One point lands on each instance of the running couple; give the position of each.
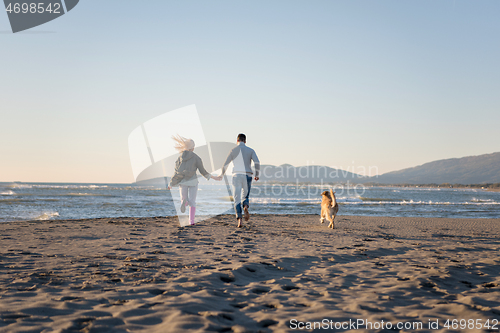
(188, 163)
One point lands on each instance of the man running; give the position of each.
(242, 157)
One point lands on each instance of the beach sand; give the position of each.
(150, 275)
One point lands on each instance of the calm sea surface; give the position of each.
(46, 201)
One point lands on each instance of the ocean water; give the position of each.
(52, 201)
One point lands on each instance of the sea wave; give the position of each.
(285, 201)
(482, 203)
(412, 202)
(300, 201)
(60, 186)
(482, 200)
(19, 186)
(85, 195)
(379, 199)
(9, 192)
(365, 201)
(9, 200)
(46, 216)
(70, 186)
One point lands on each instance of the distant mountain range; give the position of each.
(482, 169)
(479, 169)
(287, 173)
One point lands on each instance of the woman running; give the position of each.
(185, 174)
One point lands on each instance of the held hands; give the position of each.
(219, 178)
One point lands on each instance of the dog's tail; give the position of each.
(334, 200)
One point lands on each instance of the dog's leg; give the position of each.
(332, 224)
(334, 215)
(322, 219)
(329, 217)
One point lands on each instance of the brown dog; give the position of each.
(329, 207)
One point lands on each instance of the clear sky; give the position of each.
(348, 84)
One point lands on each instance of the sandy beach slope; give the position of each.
(150, 275)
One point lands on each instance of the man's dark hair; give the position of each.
(242, 137)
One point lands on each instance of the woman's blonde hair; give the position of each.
(182, 143)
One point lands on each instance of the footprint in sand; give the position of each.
(239, 305)
(267, 322)
(227, 278)
(260, 290)
(289, 288)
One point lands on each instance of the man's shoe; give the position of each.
(247, 214)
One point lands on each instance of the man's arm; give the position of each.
(229, 159)
(256, 162)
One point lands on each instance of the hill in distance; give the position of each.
(287, 173)
(316, 174)
(481, 169)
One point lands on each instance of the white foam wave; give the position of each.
(284, 201)
(69, 186)
(20, 186)
(412, 202)
(349, 199)
(358, 201)
(291, 201)
(482, 200)
(481, 203)
(9, 192)
(47, 216)
(438, 189)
